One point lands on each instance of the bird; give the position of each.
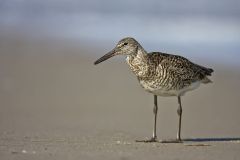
(161, 74)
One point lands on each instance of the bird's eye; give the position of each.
(125, 43)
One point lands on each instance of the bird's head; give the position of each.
(126, 46)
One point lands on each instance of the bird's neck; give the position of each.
(138, 62)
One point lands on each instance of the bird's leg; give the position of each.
(155, 110)
(179, 111)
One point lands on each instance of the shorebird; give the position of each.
(161, 74)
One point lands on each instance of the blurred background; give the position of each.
(49, 85)
(211, 27)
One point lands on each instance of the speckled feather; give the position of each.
(160, 73)
(176, 70)
(171, 74)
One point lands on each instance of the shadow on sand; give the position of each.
(227, 139)
(186, 140)
(199, 140)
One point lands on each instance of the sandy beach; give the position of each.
(55, 104)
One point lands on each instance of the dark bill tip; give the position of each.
(105, 57)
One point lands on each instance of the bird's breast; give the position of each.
(138, 66)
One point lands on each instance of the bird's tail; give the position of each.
(206, 80)
(206, 71)
(209, 71)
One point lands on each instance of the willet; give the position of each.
(161, 74)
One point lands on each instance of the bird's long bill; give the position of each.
(105, 57)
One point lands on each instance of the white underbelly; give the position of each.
(167, 93)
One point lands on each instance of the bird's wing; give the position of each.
(184, 70)
(180, 68)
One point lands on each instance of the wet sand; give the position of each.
(55, 104)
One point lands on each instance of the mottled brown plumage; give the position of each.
(161, 73)
(168, 73)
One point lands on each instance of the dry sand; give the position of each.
(55, 104)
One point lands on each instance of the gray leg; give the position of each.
(179, 111)
(155, 110)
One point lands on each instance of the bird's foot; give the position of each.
(171, 141)
(153, 139)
